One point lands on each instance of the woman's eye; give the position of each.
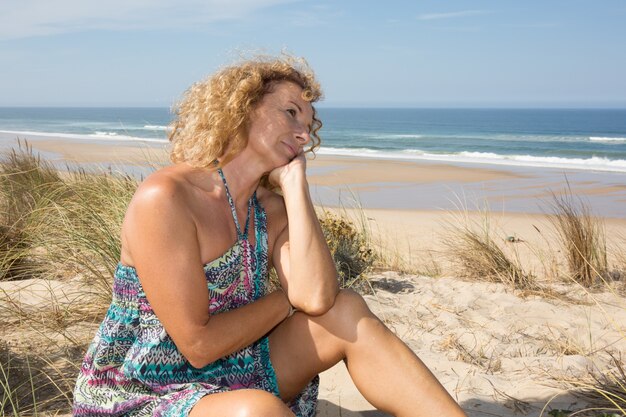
(291, 112)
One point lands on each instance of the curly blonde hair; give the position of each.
(211, 120)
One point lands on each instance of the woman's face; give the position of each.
(280, 125)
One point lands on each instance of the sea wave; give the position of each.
(155, 127)
(394, 136)
(98, 133)
(484, 136)
(353, 152)
(592, 163)
(607, 140)
(587, 164)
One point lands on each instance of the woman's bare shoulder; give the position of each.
(170, 188)
(167, 185)
(163, 197)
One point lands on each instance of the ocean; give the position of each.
(579, 139)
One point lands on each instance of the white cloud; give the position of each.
(448, 15)
(26, 18)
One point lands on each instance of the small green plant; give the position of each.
(349, 247)
(559, 413)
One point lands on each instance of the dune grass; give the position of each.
(25, 181)
(33, 384)
(583, 243)
(474, 249)
(607, 392)
(54, 227)
(582, 238)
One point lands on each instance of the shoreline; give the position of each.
(376, 183)
(472, 158)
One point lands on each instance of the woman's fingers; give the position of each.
(295, 169)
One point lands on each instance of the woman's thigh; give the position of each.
(303, 346)
(243, 402)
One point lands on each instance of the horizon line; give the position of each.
(336, 106)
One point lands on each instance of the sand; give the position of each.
(496, 352)
(499, 352)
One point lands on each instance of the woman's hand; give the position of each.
(292, 174)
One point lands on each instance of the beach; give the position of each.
(498, 351)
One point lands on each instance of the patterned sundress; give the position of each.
(133, 368)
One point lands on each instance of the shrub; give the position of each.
(348, 246)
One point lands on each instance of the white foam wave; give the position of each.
(116, 137)
(98, 133)
(607, 140)
(155, 127)
(88, 137)
(593, 163)
(588, 164)
(350, 151)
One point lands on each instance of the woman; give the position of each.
(192, 328)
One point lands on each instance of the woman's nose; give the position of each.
(303, 137)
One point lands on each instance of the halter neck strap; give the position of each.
(241, 235)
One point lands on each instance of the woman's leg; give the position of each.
(383, 368)
(241, 403)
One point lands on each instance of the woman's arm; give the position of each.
(301, 256)
(162, 241)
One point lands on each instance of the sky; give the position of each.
(366, 53)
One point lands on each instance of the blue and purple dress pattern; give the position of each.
(133, 368)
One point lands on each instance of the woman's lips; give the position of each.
(292, 149)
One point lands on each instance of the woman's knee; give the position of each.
(261, 404)
(349, 302)
(241, 403)
(349, 309)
